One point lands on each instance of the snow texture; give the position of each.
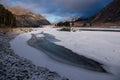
(13, 67)
(103, 47)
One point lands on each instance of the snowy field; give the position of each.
(103, 47)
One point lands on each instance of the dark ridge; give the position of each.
(110, 14)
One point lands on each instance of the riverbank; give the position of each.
(14, 67)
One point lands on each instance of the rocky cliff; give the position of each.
(7, 19)
(26, 18)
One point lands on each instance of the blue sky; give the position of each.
(56, 10)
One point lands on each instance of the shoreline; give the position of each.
(14, 67)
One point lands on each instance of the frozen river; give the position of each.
(103, 47)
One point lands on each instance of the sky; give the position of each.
(57, 10)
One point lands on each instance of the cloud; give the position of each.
(4, 1)
(24, 5)
(72, 7)
(81, 6)
(61, 8)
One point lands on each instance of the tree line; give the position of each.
(6, 18)
(67, 24)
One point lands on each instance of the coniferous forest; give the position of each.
(6, 18)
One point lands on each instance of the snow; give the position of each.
(113, 28)
(14, 67)
(100, 46)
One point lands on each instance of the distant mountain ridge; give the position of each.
(78, 18)
(26, 18)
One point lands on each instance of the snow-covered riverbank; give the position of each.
(100, 46)
(14, 67)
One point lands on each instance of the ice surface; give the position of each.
(101, 46)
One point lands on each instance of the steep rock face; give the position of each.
(25, 18)
(6, 18)
(110, 14)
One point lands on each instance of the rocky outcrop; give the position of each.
(6, 18)
(25, 18)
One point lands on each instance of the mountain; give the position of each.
(110, 15)
(7, 19)
(26, 18)
(78, 19)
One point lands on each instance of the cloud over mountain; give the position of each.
(61, 8)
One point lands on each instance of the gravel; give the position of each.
(14, 67)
